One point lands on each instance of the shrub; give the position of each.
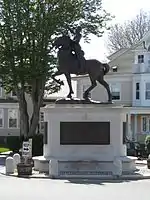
(37, 145)
(147, 144)
(3, 141)
(14, 143)
(147, 139)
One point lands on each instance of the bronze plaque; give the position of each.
(84, 133)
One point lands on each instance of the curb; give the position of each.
(27, 177)
(132, 177)
(141, 164)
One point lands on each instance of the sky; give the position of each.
(122, 10)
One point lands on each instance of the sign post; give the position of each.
(25, 167)
(27, 150)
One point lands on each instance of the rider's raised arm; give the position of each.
(71, 30)
(77, 37)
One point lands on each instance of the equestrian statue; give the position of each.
(71, 60)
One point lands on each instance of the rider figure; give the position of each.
(77, 48)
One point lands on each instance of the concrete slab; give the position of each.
(141, 173)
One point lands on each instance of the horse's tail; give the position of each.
(106, 68)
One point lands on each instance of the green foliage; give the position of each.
(147, 139)
(28, 28)
(2, 149)
(147, 144)
(27, 31)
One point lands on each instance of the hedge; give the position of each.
(14, 143)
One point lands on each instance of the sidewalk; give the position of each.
(141, 173)
(141, 162)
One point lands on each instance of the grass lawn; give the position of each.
(2, 149)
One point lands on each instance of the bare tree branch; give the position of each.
(129, 33)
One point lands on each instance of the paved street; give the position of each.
(45, 189)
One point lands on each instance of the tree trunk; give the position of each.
(24, 117)
(37, 97)
(29, 129)
(35, 119)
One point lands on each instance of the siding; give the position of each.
(99, 93)
(5, 131)
(124, 62)
(140, 136)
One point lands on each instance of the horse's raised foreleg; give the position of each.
(93, 85)
(68, 77)
(58, 73)
(105, 84)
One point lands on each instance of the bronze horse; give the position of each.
(68, 64)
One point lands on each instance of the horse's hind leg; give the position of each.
(93, 85)
(68, 77)
(105, 84)
(58, 73)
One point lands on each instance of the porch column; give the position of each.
(135, 128)
(129, 131)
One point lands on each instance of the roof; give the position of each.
(117, 53)
(145, 37)
(125, 50)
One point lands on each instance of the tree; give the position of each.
(27, 31)
(129, 33)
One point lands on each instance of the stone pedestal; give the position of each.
(53, 168)
(9, 165)
(17, 160)
(93, 157)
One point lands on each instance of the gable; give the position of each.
(124, 62)
(124, 58)
(124, 52)
(117, 53)
(139, 45)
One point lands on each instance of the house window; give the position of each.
(114, 68)
(147, 91)
(12, 118)
(85, 87)
(13, 93)
(115, 90)
(145, 124)
(1, 118)
(137, 91)
(41, 122)
(140, 58)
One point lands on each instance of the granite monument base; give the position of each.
(85, 141)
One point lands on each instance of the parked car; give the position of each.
(136, 149)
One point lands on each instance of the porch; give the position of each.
(138, 123)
